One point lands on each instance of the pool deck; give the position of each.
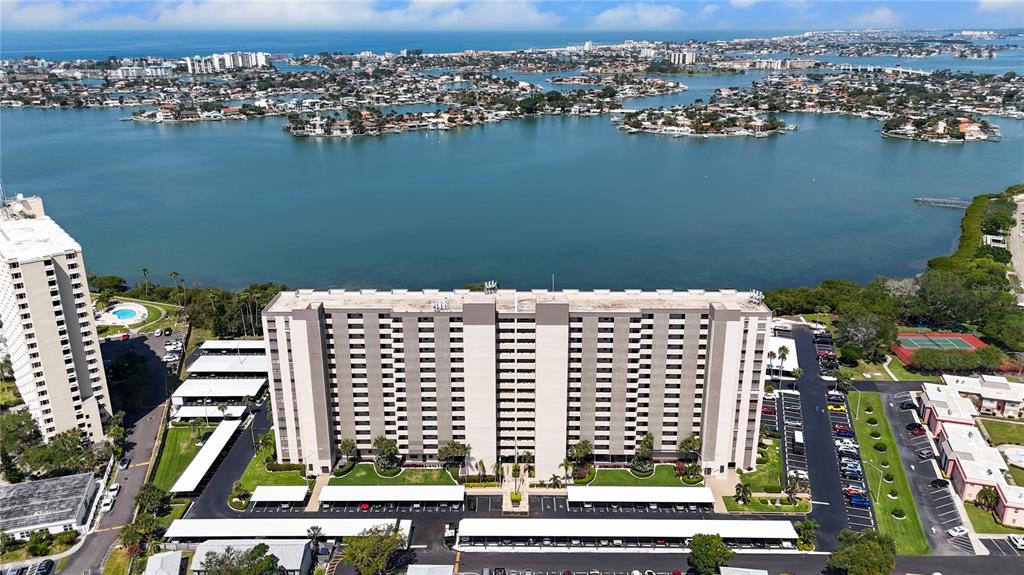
(107, 317)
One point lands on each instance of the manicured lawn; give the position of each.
(174, 512)
(985, 522)
(873, 369)
(117, 564)
(256, 473)
(904, 374)
(664, 476)
(909, 534)
(767, 505)
(177, 452)
(768, 475)
(364, 474)
(9, 393)
(1017, 474)
(14, 555)
(1000, 432)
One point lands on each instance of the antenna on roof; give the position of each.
(756, 297)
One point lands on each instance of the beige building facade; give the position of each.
(509, 372)
(49, 331)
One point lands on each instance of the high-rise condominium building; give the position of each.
(509, 372)
(48, 327)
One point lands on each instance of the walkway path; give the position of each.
(885, 366)
(314, 497)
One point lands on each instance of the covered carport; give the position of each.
(679, 498)
(278, 497)
(345, 495)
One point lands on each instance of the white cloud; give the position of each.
(1000, 5)
(881, 17)
(285, 14)
(743, 3)
(639, 17)
(709, 9)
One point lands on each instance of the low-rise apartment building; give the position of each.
(508, 372)
(941, 405)
(991, 394)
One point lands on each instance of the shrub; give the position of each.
(872, 421)
(875, 435)
(888, 477)
(894, 493)
(885, 463)
(898, 513)
(588, 477)
(388, 472)
(762, 460)
(642, 467)
(275, 466)
(66, 538)
(345, 468)
(692, 479)
(773, 489)
(481, 484)
(881, 447)
(38, 549)
(515, 496)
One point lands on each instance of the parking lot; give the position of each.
(790, 421)
(1002, 547)
(859, 518)
(936, 506)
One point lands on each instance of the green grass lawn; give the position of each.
(9, 395)
(178, 450)
(117, 564)
(901, 371)
(197, 338)
(985, 522)
(909, 534)
(664, 476)
(874, 369)
(768, 475)
(1017, 474)
(766, 505)
(256, 474)
(364, 474)
(174, 512)
(1000, 432)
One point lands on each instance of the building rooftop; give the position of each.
(232, 344)
(290, 527)
(44, 501)
(228, 364)
(994, 387)
(218, 387)
(27, 234)
(290, 552)
(967, 444)
(512, 301)
(166, 563)
(947, 403)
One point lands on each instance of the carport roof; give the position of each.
(226, 363)
(395, 493)
(283, 528)
(200, 465)
(618, 528)
(218, 387)
(279, 493)
(580, 494)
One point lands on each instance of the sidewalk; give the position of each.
(722, 486)
(314, 497)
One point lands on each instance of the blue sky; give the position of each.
(508, 14)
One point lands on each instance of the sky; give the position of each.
(507, 15)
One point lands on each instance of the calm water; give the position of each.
(236, 202)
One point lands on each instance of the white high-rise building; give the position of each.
(509, 372)
(48, 326)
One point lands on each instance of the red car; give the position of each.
(917, 431)
(124, 337)
(851, 491)
(841, 427)
(768, 410)
(364, 506)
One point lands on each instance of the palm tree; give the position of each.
(347, 446)
(566, 466)
(223, 409)
(742, 492)
(145, 280)
(315, 535)
(499, 472)
(555, 481)
(481, 469)
(783, 354)
(771, 361)
(197, 429)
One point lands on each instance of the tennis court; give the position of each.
(934, 342)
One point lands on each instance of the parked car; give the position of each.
(848, 453)
(17, 571)
(914, 425)
(917, 431)
(44, 567)
(841, 427)
(939, 483)
(908, 405)
(851, 490)
(114, 490)
(171, 357)
(125, 336)
(860, 501)
(853, 475)
(768, 410)
(107, 504)
(124, 463)
(957, 531)
(794, 423)
(835, 397)
(925, 453)
(364, 506)
(799, 474)
(847, 443)
(158, 333)
(836, 407)
(1017, 541)
(845, 433)
(771, 396)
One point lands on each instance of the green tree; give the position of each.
(808, 531)
(347, 447)
(9, 468)
(581, 451)
(866, 552)
(231, 561)
(690, 444)
(104, 299)
(987, 499)
(783, 354)
(387, 452)
(116, 433)
(6, 370)
(742, 492)
(145, 279)
(239, 492)
(453, 453)
(373, 551)
(315, 535)
(708, 553)
(152, 498)
(861, 334)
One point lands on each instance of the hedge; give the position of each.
(345, 468)
(881, 447)
(275, 466)
(773, 489)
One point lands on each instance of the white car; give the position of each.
(957, 531)
(114, 490)
(107, 504)
(157, 333)
(1017, 541)
(171, 357)
(173, 345)
(799, 474)
(770, 396)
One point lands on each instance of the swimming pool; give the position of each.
(124, 313)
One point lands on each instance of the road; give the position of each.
(142, 425)
(1016, 244)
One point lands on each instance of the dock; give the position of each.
(955, 203)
